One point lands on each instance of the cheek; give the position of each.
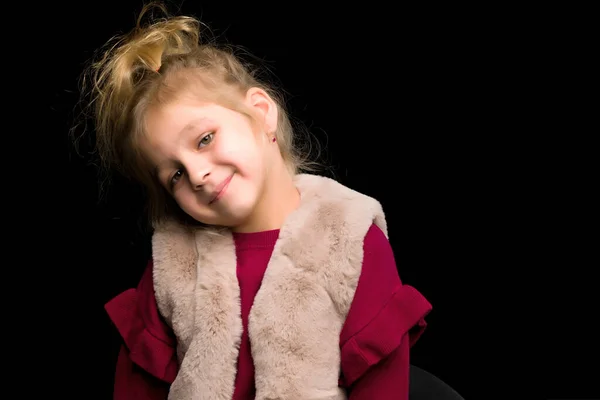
(242, 152)
(184, 198)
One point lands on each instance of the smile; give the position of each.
(220, 190)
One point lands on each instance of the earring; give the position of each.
(274, 139)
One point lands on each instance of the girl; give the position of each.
(264, 283)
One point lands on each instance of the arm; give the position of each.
(147, 361)
(134, 383)
(386, 318)
(388, 379)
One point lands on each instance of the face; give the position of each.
(213, 160)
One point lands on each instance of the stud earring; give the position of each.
(274, 139)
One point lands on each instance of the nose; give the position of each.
(198, 174)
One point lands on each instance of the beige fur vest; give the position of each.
(297, 315)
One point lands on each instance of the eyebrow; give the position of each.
(193, 124)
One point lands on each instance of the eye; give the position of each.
(205, 141)
(175, 178)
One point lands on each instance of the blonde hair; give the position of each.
(150, 66)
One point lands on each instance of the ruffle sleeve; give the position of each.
(404, 314)
(383, 311)
(148, 338)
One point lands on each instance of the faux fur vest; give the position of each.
(297, 315)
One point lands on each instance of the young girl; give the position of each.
(264, 283)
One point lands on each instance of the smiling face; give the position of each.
(214, 161)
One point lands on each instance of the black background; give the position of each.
(473, 126)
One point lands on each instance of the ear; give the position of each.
(264, 107)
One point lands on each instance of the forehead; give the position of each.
(175, 119)
(177, 112)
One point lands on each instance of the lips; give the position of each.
(220, 190)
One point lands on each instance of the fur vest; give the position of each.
(297, 315)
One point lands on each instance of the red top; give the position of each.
(385, 319)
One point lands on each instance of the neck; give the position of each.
(279, 199)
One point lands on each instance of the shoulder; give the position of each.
(338, 208)
(379, 269)
(148, 307)
(377, 247)
(381, 298)
(378, 281)
(318, 189)
(135, 315)
(383, 311)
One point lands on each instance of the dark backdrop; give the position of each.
(448, 116)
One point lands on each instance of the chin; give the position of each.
(230, 220)
(229, 214)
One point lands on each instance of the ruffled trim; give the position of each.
(150, 347)
(404, 314)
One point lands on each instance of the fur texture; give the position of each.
(298, 313)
